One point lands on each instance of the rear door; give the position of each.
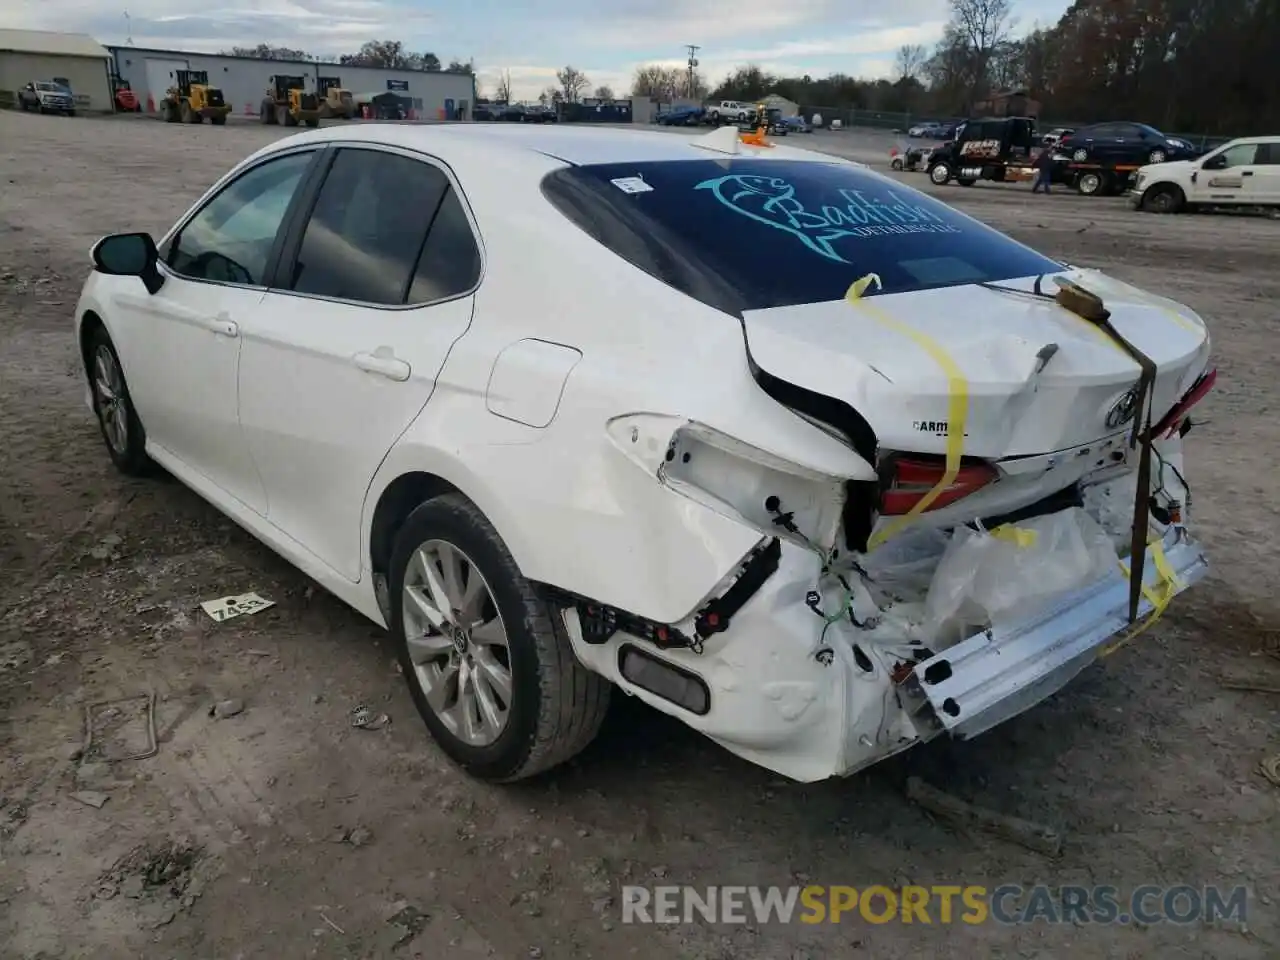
(376, 283)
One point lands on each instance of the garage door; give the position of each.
(161, 76)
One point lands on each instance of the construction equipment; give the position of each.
(287, 103)
(335, 100)
(191, 99)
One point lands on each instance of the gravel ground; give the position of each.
(281, 831)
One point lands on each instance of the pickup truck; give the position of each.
(45, 96)
(729, 111)
(1240, 173)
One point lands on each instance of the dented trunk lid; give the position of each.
(1051, 397)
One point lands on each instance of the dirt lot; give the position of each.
(282, 832)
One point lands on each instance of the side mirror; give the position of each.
(1218, 162)
(129, 255)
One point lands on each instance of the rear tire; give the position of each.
(1090, 184)
(118, 421)
(966, 181)
(554, 705)
(219, 120)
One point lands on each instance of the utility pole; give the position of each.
(692, 89)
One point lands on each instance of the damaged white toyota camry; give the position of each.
(786, 449)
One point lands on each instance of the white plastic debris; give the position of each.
(988, 578)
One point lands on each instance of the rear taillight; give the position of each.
(908, 479)
(1172, 421)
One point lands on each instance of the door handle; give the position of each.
(383, 363)
(223, 324)
(1246, 173)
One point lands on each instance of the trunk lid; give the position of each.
(1047, 390)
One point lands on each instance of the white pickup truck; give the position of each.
(729, 111)
(1242, 173)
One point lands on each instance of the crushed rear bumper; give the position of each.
(983, 681)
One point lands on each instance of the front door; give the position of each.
(186, 391)
(370, 296)
(1227, 176)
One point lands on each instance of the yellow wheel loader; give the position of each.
(191, 99)
(287, 103)
(335, 100)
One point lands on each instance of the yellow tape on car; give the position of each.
(957, 403)
(1015, 535)
(1168, 585)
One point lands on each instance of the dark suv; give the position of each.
(1123, 143)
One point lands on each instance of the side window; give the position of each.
(450, 261)
(230, 239)
(1268, 154)
(366, 233)
(1241, 155)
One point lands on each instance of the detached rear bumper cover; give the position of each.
(995, 675)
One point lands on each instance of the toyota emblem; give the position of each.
(1123, 410)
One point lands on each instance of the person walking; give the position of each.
(1043, 166)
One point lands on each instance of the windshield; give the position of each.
(49, 87)
(753, 234)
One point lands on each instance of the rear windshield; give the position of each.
(753, 234)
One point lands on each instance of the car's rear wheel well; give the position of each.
(402, 496)
(90, 323)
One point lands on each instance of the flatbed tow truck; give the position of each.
(1095, 179)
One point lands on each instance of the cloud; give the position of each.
(320, 27)
(532, 38)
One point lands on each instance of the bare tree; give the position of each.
(503, 92)
(983, 25)
(264, 51)
(910, 60)
(659, 83)
(603, 93)
(572, 83)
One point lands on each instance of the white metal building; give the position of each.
(776, 101)
(244, 80)
(30, 55)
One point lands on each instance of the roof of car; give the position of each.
(577, 145)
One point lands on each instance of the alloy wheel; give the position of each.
(1157, 156)
(457, 642)
(108, 388)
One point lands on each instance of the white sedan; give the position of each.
(777, 444)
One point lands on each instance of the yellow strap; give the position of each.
(957, 403)
(1169, 586)
(1015, 535)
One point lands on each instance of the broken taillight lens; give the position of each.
(910, 478)
(1172, 420)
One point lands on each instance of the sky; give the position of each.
(531, 39)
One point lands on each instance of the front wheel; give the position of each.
(489, 665)
(118, 420)
(1165, 198)
(939, 174)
